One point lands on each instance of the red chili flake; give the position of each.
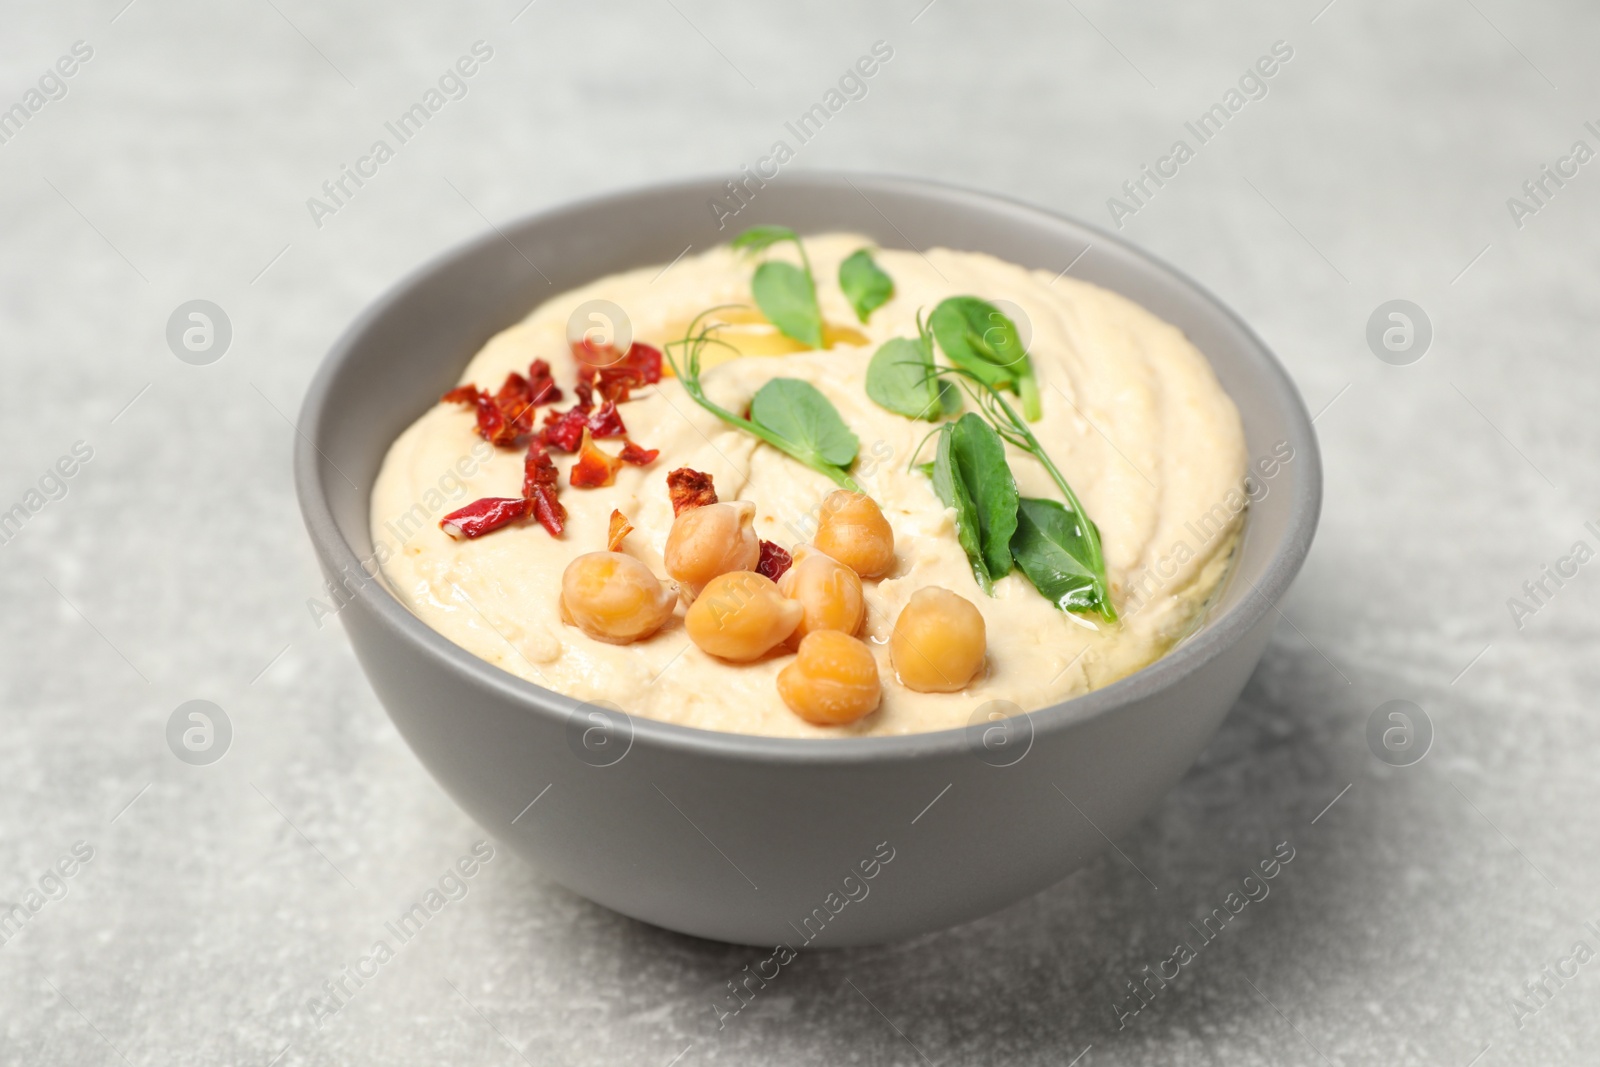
(515, 401)
(594, 468)
(482, 516)
(613, 375)
(617, 391)
(639, 457)
(542, 388)
(540, 484)
(774, 561)
(615, 379)
(563, 430)
(493, 425)
(591, 357)
(585, 394)
(606, 421)
(620, 529)
(689, 488)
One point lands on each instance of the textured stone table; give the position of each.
(175, 164)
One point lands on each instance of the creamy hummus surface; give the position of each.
(1132, 415)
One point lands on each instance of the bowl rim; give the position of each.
(1214, 636)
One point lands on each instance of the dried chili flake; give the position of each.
(591, 356)
(773, 561)
(639, 457)
(563, 430)
(606, 421)
(614, 376)
(620, 528)
(594, 469)
(515, 401)
(540, 484)
(542, 388)
(492, 424)
(482, 516)
(689, 489)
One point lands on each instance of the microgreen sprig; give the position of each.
(1082, 536)
(786, 294)
(817, 438)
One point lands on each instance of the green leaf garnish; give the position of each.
(786, 294)
(864, 283)
(760, 238)
(901, 379)
(816, 437)
(970, 474)
(952, 490)
(1050, 546)
(798, 412)
(1084, 545)
(787, 297)
(981, 457)
(980, 339)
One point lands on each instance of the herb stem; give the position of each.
(1028, 389)
(692, 343)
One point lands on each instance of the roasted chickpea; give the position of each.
(938, 642)
(613, 597)
(711, 540)
(853, 531)
(741, 616)
(829, 592)
(833, 680)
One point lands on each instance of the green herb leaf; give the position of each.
(981, 456)
(970, 474)
(758, 238)
(1055, 548)
(952, 490)
(788, 299)
(797, 412)
(901, 378)
(981, 339)
(864, 283)
(786, 294)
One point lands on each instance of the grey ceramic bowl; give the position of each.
(766, 840)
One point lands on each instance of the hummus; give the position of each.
(1132, 414)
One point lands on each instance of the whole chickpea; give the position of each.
(613, 597)
(853, 531)
(711, 540)
(939, 641)
(829, 592)
(833, 680)
(741, 616)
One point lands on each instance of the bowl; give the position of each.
(776, 841)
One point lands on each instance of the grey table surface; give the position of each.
(176, 163)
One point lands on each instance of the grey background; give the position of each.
(220, 898)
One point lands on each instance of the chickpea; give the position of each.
(853, 531)
(833, 681)
(741, 616)
(938, 642)
(712, 540)
(613, 597)
(829, 592)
